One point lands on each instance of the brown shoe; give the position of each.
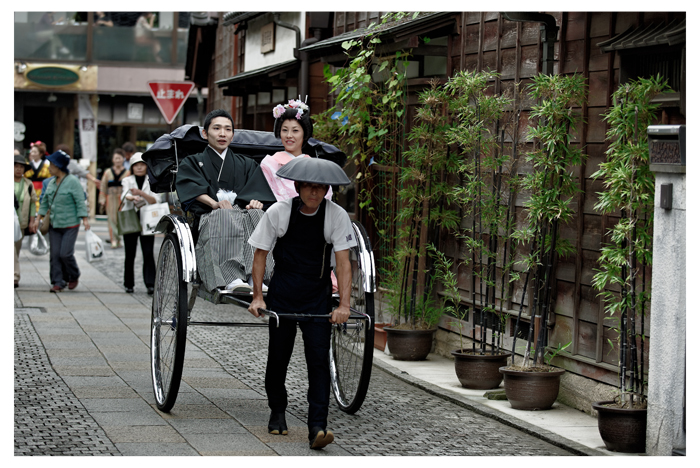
(72, 284)
(56, 289)
(319, 438)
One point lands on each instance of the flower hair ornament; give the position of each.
(280, 109)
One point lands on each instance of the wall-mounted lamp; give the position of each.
(21, 67)
(52, 98)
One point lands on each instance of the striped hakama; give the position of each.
(222, 251)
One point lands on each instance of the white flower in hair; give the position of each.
(278, 111)
(297, 104)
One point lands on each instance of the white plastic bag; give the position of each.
(150, 216)
(18, 230)
(93, 246)
(38, 244)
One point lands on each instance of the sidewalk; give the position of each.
(96, 338)
(562, 426)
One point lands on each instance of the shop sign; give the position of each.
(52, 76)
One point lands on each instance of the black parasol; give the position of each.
(313, 170)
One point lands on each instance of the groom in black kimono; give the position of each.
(201, 175)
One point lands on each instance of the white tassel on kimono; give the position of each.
(226, 195)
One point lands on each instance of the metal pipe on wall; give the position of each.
(548, 29)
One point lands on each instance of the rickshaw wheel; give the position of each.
(352, 343)
(168, 324)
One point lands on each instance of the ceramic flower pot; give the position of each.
(409, 345)
(622, 430)
(477, 371)
(380, 335)
(531, 390)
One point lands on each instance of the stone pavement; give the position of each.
(82, 385)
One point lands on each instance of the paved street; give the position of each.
(82, 384)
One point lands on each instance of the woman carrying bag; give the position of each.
(65, 199)
(25, 197)
(110, 189)
(136, 191)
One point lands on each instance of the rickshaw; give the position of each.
(178, 285)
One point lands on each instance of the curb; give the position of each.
(530, 429)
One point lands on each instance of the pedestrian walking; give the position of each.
(303, 230)
(129, 150)
(38, 169)
(136, 191)
(65, 199)
(25, 199)
(111, 191)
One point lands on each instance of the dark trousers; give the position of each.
(62, 263)
(317, 343)
(149, 265)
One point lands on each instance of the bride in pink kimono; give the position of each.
(293, 126)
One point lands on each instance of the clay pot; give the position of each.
(409, 345)
(622, 430)
(531, 390)
(479, 372)
(380, 335)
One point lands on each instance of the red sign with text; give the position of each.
(170, 96)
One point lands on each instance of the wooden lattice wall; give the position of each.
(486, 41)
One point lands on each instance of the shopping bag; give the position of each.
(150, 216)
(38, 244)
(128, 222)
(93, 246)
(18, 229)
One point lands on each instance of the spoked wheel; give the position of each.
(168, 324)
(352, 343)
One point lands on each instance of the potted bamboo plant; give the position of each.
(485, 195)
(423, 191)
(368, 121)
(624, 261)
(533, 384)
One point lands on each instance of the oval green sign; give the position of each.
(52, 76)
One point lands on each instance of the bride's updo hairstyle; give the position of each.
(293, 110)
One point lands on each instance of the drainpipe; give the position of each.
(548, 30)
(200, 106)
(304, 66)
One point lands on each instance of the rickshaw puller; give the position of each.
(303, 230)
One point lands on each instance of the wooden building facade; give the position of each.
(607, 48)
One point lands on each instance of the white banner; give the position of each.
(87, 125)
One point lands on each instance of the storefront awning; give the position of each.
(260, 79)
(646, 36)
(394, 32)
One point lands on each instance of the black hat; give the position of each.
(19, 159)
(314, 170)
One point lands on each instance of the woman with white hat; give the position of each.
(136, 190)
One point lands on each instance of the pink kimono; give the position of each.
(282, 188)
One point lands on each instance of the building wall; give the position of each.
(486, 41)
(285, 40)
(222, 67)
